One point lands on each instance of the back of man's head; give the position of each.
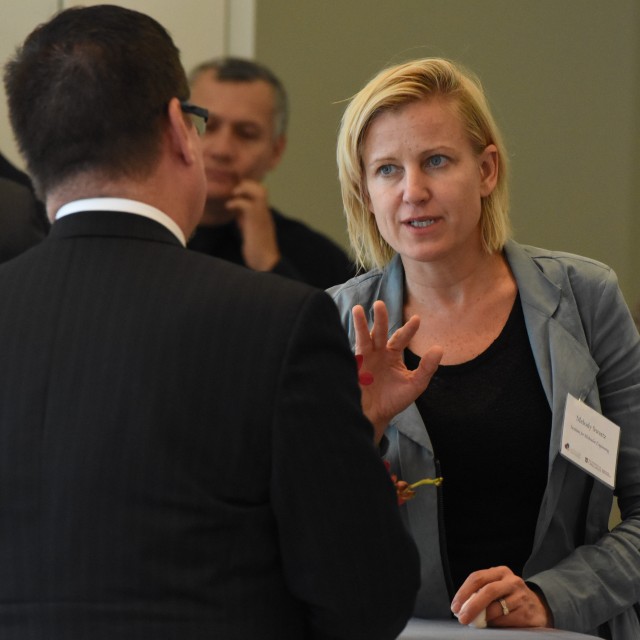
(88, 91)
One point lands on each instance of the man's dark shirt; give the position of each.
(8, 171)
(307, 255)
(21, 219)
(37, 224)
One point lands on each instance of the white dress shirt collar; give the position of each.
(125, 206)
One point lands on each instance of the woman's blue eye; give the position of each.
(436, 161)
(386, 170)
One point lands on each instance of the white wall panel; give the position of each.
(241, 28)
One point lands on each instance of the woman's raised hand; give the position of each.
(387, 386)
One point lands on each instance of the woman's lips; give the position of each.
(420, 223)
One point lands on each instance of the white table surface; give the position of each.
(418, 629)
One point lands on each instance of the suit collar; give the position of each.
(553, 322)
(125, 205)
(112, 224)
(391, 290)
(536, 289)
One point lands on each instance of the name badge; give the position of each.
(590, 441)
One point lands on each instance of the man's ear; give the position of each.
(278, 149)
(180, 135)
(489, 168)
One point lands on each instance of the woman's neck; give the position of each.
(462, 310)
(453, 283)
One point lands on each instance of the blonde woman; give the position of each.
(423, 172)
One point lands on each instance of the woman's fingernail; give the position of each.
(365, 378)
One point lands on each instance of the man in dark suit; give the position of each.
(182, 449)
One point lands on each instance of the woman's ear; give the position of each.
(488, 162)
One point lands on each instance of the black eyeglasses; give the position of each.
(198, 115)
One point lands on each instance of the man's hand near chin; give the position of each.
(259, 242)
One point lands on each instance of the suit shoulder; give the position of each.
(358, 290)
(561, 265)
(219, 277)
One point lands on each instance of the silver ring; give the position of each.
(503, 603)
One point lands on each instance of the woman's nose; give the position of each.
(416, 186)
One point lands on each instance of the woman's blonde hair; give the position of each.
(391, 89)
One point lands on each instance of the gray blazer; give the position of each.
(585, 343)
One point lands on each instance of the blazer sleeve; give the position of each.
(600, 580)
(346, 554)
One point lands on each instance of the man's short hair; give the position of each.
(230, 69)
(88, 91)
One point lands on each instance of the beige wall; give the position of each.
(563, 79)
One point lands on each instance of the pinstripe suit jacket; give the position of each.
(182, 452)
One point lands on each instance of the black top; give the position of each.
(489, 422)
(307, 255)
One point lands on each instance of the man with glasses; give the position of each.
(182, 448)
(244, 141)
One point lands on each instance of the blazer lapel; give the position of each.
(563, 361)
(409, 421)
